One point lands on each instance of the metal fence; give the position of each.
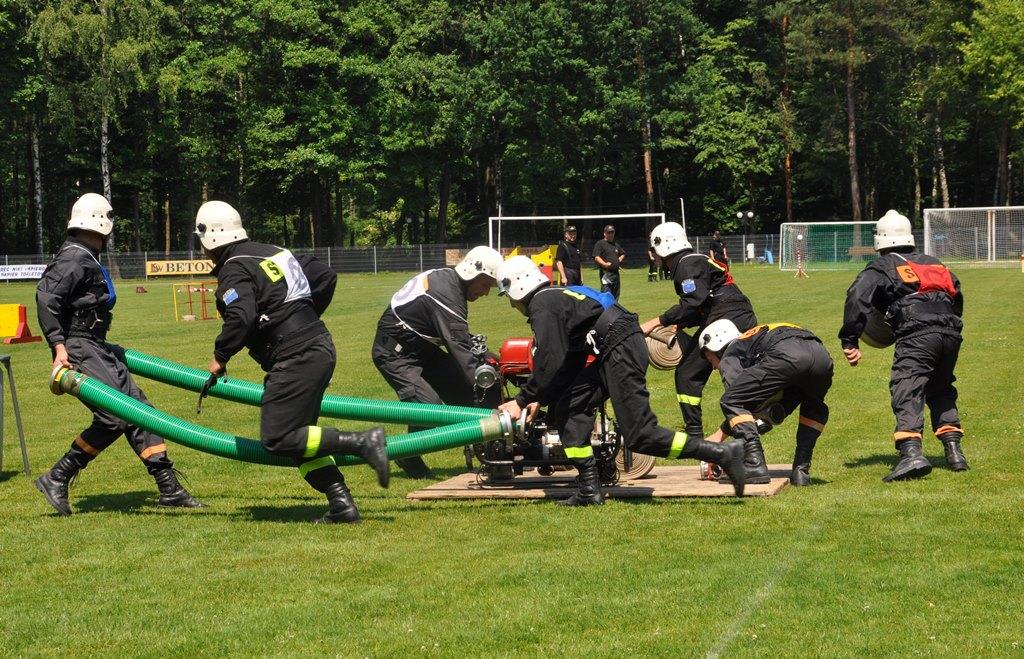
(132, 265)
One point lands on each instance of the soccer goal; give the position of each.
(975, 236)
(805, 246)
(536, 230)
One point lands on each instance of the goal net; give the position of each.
(975, 236)
(532, 232)
(826, 245)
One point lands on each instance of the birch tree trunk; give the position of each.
(105, 167)
(851, 123)
(37, 179)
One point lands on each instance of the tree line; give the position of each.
(392, 121)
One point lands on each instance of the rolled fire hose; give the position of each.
(334, 407)
(663, 348)
(214, 442)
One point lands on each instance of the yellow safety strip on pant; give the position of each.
(579, 452)
(678, 441)
(153, 450)
(900, 435)
(81, 443)
(740, 418)
(942, 430)
(313, 465)
(811, 423)
(313, 434)
(686, 399)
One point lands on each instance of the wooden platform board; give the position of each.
(661, 482)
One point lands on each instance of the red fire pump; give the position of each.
(535, 444)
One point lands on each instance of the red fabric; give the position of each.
(933, 278)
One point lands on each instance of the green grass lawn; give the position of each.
(850, 566)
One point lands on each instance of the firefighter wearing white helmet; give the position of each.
(921, 301)
(769, 372)
(569, 324)
(423, 346)
(74, 302)
(706, 293)
(271, 302)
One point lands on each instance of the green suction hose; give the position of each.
(214, 442)
(334, 407)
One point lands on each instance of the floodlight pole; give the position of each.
(682, 212)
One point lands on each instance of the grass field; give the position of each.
(850, 566)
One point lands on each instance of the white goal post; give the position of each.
(982, 236)
(494, 222)
(826, 245)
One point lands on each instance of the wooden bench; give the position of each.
(856, 252)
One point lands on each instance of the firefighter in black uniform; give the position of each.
(609, 257)
(922, 303)
(768, 372)
(271, 304)
(567, 259)
(568, 325)
(74, 300)
(706, 293)
(423, 347)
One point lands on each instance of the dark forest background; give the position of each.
(336, 123)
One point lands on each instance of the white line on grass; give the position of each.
(755, 601)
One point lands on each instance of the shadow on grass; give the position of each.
(122, 502)
(887, 459)
(299, 514)
(8, 475)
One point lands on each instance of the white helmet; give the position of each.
(92, 212)
(519, 276)
(893, 230)
(478, 261)
(718, 335)
(669, 238)
(218, 224)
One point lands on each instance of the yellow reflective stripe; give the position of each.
(313, 434)
(741, 418)
(689, 400)
(715, 264)
(313, 465)
(578, 296)
(678, 442)
(579, 452)
(772, 326)
(272, 270)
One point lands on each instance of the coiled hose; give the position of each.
(334, 407)
(663, 348)
(214, 442)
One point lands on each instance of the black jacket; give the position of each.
(561, 320)
(706, 292)
(269, 300)
(431, 310)
(754, 345)
(889, 285)
(74, 296)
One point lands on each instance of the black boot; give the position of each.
(342, 508)
(912, 463)
(172, 493)
(371, 446)
(801, 474)
(54, 483)
(588, 487)
(727, 455)
(754, 463)
(954, 456)
(415, 467)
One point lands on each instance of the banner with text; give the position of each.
(26, 271)
(178, 268)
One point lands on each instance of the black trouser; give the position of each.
(922, 374)
(611, 282)
(105, 362)
(572, 277)
(420, 373)
(293, 389)
(693, 371)
(796, 371)
(621, 375)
